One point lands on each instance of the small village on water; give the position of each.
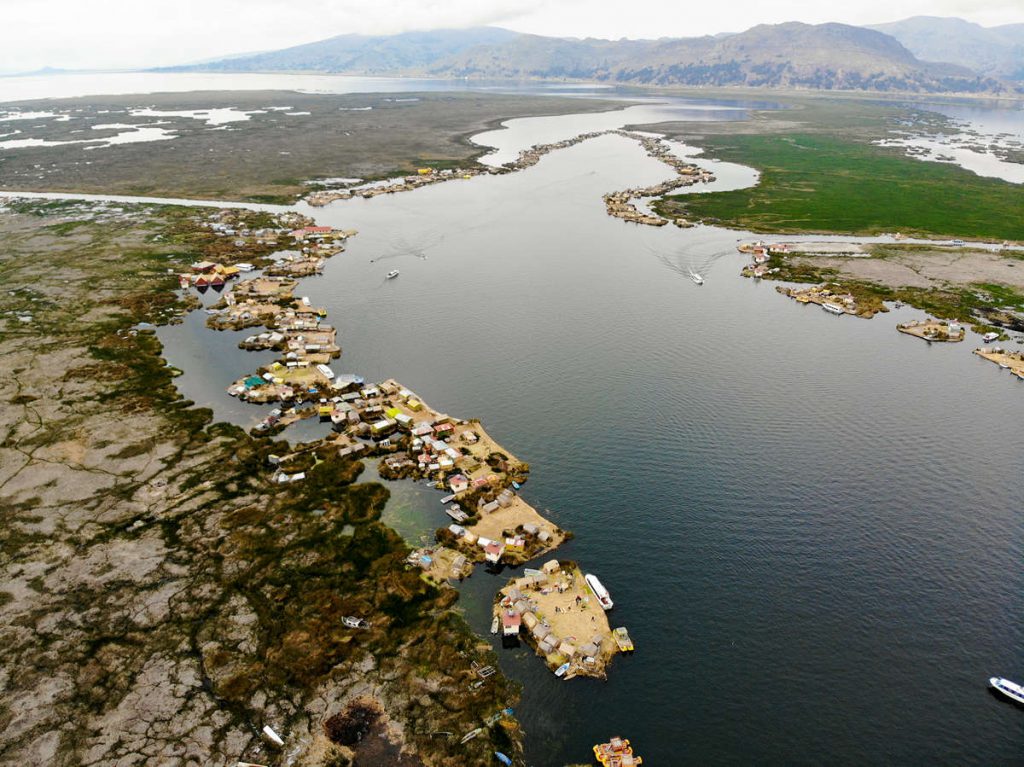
(556, 608)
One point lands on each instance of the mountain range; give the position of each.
(909, 56)
(993, 51)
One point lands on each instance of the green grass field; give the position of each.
(820, 183)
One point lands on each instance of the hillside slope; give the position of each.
(992, 51)
(791, 55)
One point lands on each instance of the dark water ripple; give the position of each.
(811, 525)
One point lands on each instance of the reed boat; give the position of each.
(617, 752)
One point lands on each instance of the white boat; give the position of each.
(603, 597)
(560, 671)
(833, 308)
(696, 278)
(1011, 690)
(392, 274)
(494, 625)
(989, 337)
(325, 371)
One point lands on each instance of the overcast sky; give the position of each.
(136, 33)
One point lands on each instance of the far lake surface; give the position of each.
(812, 525)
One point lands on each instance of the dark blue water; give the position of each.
(811, 525)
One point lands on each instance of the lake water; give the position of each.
(811, 525)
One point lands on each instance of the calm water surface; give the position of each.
(810, 524)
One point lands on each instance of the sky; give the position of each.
(100, 34)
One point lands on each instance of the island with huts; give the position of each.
(945, 331)
(491, 523)
(557, 612)
(1007, 360)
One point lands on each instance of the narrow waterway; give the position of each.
(810, 524)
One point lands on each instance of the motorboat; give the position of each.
(621, 636)
(833, 308)
(392, 274)
(990, 337)
(603, 597)
(1011, 690)
(697, 279)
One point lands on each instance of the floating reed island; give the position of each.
(557, 611)
(828, 298)
(933, 330)
(1012, 361)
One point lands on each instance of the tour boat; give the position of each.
(989, 337)
(1011, 690)
(696, 278)
(392, 274)
(600, 592)
(833, 308)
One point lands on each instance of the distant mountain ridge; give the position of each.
(992, 51)
(790, 55)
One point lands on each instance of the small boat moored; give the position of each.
(392, 274)
(603, 597)
(617, 752)
(622, 640)
(833, 308)
(990, 337)
(560, 671)
(1011, 690)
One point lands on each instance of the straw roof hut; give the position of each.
(540, 631)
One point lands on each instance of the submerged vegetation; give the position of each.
(164, 601)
